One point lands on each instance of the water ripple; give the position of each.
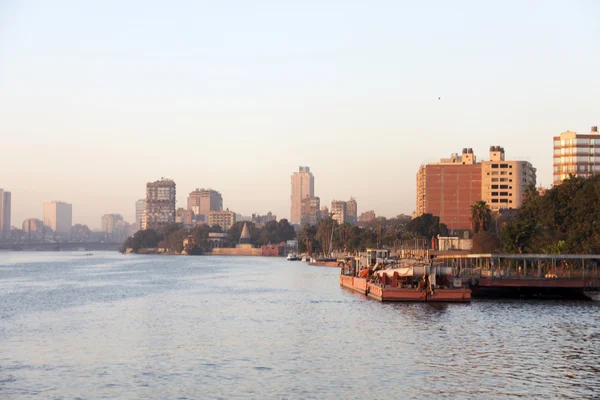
(111, 326)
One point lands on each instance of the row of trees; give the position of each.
(566, 219)
(174, 235)
(328, 235)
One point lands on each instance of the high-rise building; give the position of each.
(324, 212)
(576, 154)
(303, 186)
(352, 211)
(160, 204)
(311, 210)
(203, 201)
(5, 210)
(140, 208)
(338, 211)
(449, 188)
(504, 182)
(58, 216)
(110, 221)
(225, 219)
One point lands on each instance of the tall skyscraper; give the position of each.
(160, 204)
(58, 216)
(303, 186)
(338, 211)
(203, 201)
(5, 205)
(140, 208)
(352, 211)
(577, 154)
(311, 210)
(449, 188)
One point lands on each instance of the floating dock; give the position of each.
(526, 275)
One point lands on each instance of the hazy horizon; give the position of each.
(98, 99)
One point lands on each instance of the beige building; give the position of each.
(203, 201)
(58, 216)
(5, 211)
(225, 219)
(110, 221)
(324, 212)
(338, 211)
(311, 210)
(367, 216)
(303, 186)
(160, 204)
(576, 154)
(504, 182)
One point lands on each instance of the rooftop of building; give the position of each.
(569, 134)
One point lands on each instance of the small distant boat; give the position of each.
(306, 259)
(88, 254)
(292, 257)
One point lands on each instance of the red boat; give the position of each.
(407, 280)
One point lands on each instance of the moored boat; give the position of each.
(292, 257)
(405, 280)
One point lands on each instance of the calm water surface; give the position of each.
(113, 326)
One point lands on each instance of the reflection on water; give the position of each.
(112, 326)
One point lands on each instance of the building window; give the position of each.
(494, 200)
(503, 200)
(503, 186)
(495, 186)
(494, 179)
(494, 165)
(494, 193)
(503, 165)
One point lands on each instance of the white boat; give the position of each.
(306, 259)
(592, 294)
(292, 257)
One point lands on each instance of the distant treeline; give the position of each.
(566, 219)
(174, 235)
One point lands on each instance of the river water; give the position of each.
(141, 327)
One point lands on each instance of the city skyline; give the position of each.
(92, 109)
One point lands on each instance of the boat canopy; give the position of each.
(406, 271)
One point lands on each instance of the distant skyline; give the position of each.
(96, 99)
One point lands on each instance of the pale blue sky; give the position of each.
(97, 98)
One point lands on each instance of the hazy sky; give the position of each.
(97, 98)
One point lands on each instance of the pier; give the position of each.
(526, 275)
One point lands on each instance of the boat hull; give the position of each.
(358, 285)
(397, 294)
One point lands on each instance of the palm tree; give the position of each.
(481, 216)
